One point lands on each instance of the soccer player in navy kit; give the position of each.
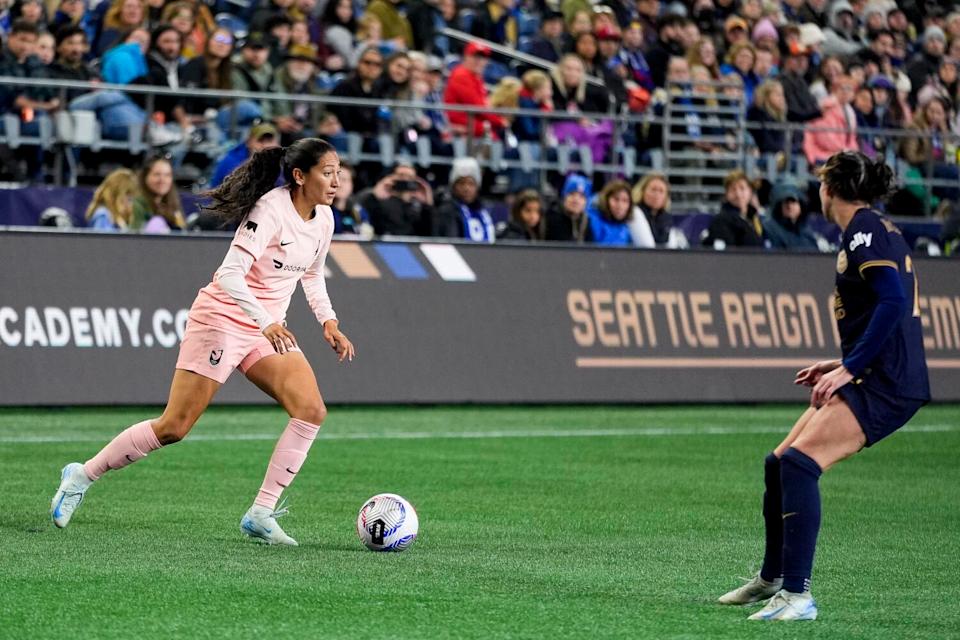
(878, 385)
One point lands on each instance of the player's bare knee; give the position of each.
(314, 412)
(172, 429)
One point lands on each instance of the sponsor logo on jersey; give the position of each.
(289, 267)
(283, 244)
(860, 238)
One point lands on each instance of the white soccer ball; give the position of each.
(387, 522)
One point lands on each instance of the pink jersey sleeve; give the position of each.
(315, 286)
(256, 231)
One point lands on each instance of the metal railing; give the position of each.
(546, 156)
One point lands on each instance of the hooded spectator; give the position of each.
(786, 227)
(841, 38)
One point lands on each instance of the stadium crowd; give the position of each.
(844, 72)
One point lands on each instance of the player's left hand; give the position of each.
(828, 385)
(338, 341)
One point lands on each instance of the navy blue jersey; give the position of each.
(872, 241)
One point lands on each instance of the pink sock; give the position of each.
(131, 445)
(287, 458)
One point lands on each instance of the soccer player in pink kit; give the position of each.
(238, 321)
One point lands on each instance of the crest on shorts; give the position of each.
(841, 261)
(215, 356)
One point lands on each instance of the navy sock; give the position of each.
(799, 475)
(772, 568)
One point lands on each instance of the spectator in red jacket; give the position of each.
(465, 86)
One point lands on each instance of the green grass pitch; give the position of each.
(571, 522)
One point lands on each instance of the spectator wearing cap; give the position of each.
(735, 30)
(74, 13)
(297, 76)
(262, 136)
(765, 35)
(359, 84)
(465, 86)
(567, 219)
(251, 69)
(669, 44)
(463, 215)
(841, 38)
(887, 109)
(925, 63)
(836, 129)
(396, 27)
(786, 227)
(549, 42)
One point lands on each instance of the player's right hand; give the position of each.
(280, 337)
(811, 375)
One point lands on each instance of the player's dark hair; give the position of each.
(239, 191)
(852, 176)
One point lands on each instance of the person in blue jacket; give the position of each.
(610, 214)
(262, 136)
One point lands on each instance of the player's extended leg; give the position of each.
(769, 579)
(289, 379)
(190, 394)
(832, 434)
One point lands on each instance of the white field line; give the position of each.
(477, 435)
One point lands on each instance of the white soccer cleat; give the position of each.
(73, 484)
(260, 523)
(754, 590)
(785, 605)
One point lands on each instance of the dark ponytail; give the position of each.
(852, 176)
(239, 191)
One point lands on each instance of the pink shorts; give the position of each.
(215, 353)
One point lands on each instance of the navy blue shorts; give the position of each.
(879, 414)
